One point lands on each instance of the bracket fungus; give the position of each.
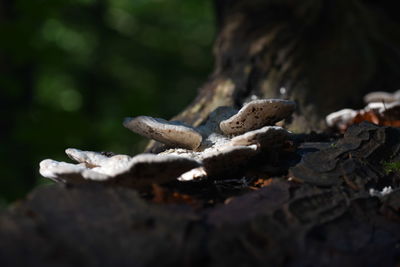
(381, 96)
(382, 108)
(141, 170)
(341, 118)
(264, 137)
(217, 149)
(169, 133)
(256, 114)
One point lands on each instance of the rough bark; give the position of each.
(323, 54)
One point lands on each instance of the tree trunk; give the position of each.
(323, 54)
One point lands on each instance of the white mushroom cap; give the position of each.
(68, 173)
(341, 117)
(194, 174)
(138, 171)
(383, 108)
(91, 158)
(264, 137)
(170, 133)
(98, 162)
(256, 114)
(377, 106)
(380, 96)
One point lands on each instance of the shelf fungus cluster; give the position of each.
(383, 108)
(219, 148)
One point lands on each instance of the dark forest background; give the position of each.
(70, 71)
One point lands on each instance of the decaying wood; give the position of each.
(285, 223)
(356, 160)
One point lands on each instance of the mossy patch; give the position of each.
(390, 167)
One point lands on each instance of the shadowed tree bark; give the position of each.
(323, 54)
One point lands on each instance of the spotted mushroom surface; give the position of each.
(256, 114)
(170, 133)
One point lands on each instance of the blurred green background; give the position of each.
(71, 70)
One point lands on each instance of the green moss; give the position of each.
(390, 167)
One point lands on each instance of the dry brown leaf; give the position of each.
(164, 196)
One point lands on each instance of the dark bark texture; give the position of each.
(315, 210)
(324, 54)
